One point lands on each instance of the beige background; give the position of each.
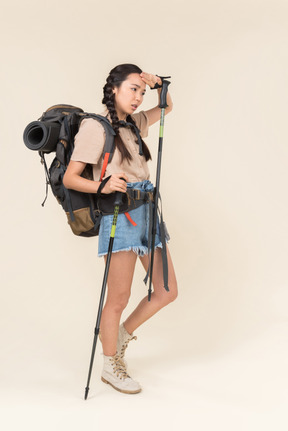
(218, 356)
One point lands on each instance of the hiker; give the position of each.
(123, 94)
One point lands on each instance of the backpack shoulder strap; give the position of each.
(109, 131)
(109, 145)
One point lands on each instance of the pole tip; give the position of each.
(86, 393)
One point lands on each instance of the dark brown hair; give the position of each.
(115, 79)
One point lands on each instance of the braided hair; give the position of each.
(115, 79)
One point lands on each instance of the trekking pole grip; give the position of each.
(118, 197)
(163, 94)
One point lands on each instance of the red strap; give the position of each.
(105, 163)
(130, 219)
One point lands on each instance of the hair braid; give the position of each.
(146, 151)
(109, 101)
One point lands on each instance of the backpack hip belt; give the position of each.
(132, 199)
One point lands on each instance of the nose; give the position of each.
(139, 97)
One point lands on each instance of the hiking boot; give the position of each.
(123, 339)
(115, 374)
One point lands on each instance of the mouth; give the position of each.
(134, 107)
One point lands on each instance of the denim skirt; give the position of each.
(127, 236)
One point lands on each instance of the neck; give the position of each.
(121, 116)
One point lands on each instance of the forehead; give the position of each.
(134, 78)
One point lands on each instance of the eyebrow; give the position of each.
(136, 85)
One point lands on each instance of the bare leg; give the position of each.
(159, 298)
(120, 277)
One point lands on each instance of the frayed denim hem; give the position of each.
(140, 250)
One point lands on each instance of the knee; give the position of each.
(172, 295)
(118, 305)
(167, 297)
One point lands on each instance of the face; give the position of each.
(129, 96)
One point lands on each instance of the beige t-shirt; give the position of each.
(89, 146)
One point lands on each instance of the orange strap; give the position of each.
(130, 219)
(105, 163)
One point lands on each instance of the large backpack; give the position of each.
(55, 131)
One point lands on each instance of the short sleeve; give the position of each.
(142, 123)
(89, 142)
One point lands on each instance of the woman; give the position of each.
(123, 94)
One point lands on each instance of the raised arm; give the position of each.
(155, 113)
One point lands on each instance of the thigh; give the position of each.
(157, 276)
(120, 274)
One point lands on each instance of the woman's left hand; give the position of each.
(150, 79)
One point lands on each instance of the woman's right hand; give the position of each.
(116, 184)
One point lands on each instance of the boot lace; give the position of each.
(119, 367)
(125, 345)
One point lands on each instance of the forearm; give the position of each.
(74, 181)
(80, 184)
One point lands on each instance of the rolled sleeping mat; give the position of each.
(41, 136)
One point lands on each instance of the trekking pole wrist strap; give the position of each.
(159, 85)
(102, 185)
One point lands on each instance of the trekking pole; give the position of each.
(163, 105)
(118, 201)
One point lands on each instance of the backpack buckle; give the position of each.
(137, 194)
(150, 196)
